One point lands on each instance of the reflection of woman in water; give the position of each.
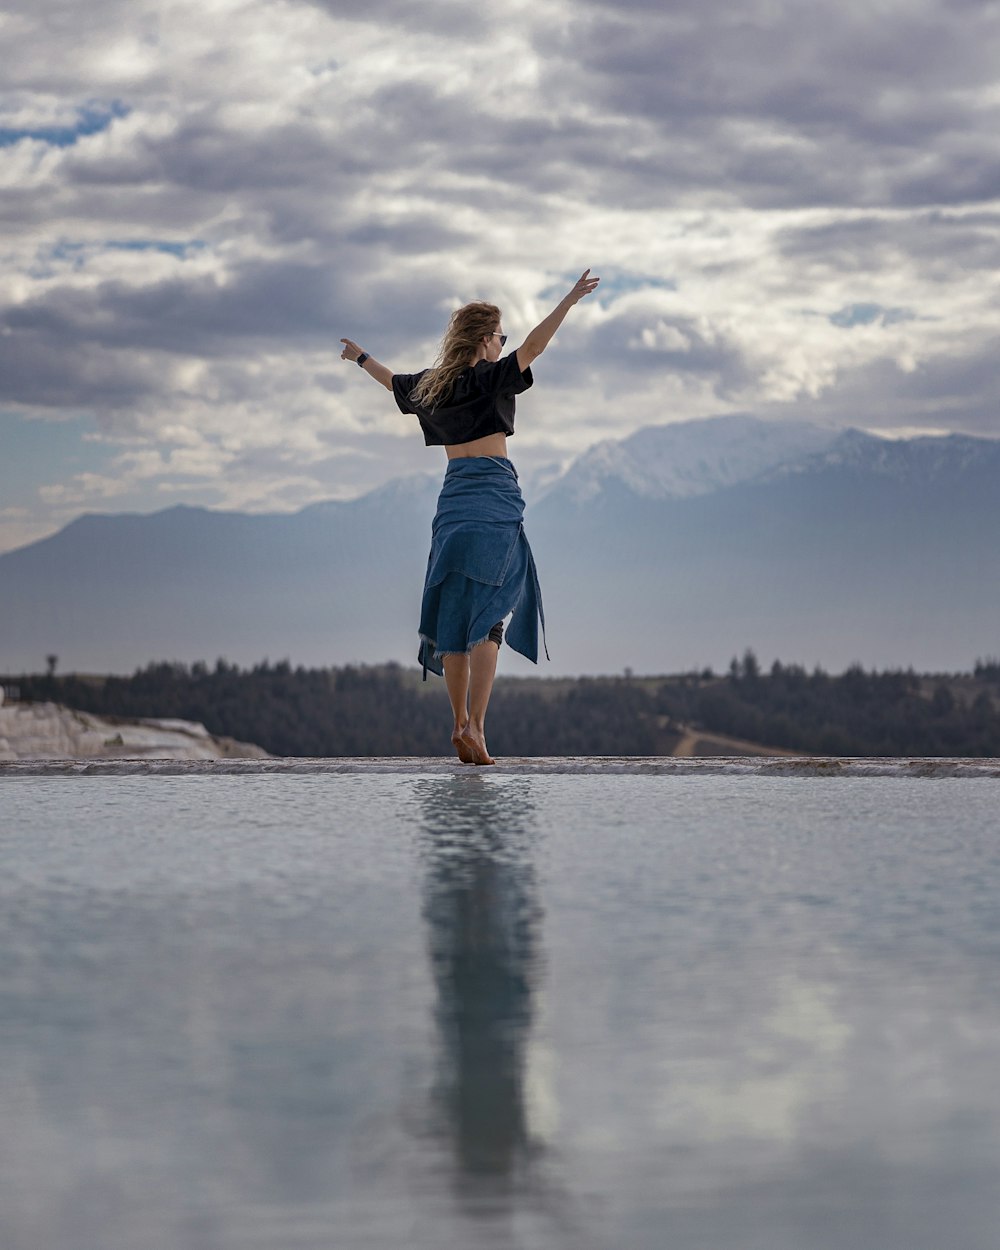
(480, 568)
(484, 935)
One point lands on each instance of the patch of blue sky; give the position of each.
(180, 250)
(77, 254)
(322, 68)
(613, 284)
(91, 119)
(38, 452)
(868, 314)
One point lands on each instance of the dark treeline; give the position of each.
(377, 710)
(387, 710)
(857, 713)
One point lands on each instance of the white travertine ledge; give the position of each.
(39, 732)
(656, 766)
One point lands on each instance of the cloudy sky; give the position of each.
(794, 209)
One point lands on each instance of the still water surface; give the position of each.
(458, 1010)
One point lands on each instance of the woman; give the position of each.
(480, 569)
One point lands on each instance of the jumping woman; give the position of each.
(480, 568)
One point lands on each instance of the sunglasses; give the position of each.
(503, 337)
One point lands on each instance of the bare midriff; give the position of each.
(491, 445)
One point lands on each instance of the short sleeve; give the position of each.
(402, 384)
(504, 376)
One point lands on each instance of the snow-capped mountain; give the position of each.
(690, 458)
(915, 460)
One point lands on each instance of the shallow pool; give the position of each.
(455, 1007)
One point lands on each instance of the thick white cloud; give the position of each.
(791, 216)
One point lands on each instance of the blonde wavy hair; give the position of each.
(466, 330)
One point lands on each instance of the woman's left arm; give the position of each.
(381, 373)
(538, 339)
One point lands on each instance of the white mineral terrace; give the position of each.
(657, 766)
(49, 731)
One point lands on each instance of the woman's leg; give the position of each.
(456, 677)
(483, 668)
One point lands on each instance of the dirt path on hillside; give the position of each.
(691, 738)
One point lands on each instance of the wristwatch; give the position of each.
(362, 358)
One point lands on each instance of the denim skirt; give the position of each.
(480, 569)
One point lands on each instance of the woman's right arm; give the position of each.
(539, 338)
(381, 373)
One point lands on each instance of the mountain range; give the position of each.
(675, 548)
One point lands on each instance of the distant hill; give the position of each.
(673, 549)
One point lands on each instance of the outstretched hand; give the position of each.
(351, 350)
(584, 286)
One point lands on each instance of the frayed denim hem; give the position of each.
(427, 644)
(443, 655)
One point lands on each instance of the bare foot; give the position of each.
(476, 744)
(462, 747)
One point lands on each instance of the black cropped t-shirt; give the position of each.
(481, 403)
